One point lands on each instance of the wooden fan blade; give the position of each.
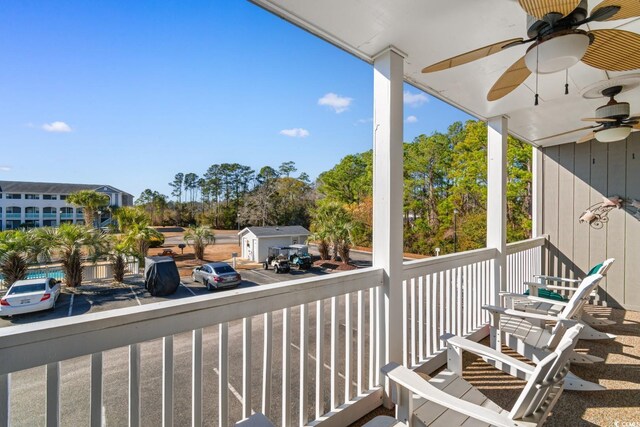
(539, 8)
(628, 8)
(587, 137)
(470, 56)
(565, 133)
(510, 79)
(595, 119)
(613, 50)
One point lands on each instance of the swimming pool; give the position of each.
(41, 274)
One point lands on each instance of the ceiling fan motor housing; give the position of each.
(618, 110)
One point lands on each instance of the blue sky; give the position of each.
(129, 93)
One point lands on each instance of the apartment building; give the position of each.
(42, 204)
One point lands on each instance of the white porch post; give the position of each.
(536, 192)
(497, 207)
(387, 205)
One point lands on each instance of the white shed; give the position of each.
(256, 241)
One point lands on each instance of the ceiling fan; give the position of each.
(557, 43)
(614, 122)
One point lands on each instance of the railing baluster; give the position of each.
(405, 322)
(304, 363)
(5, 399)
(134, 385)
(449, 312)
(96, 390)
(286, 367)
(223, 374)
(196, 378)
(459, 306)
(319, 358)
(412, 322)
(441, 320)
(420, 318)
(334, 353)
(360, 349)
(266, 364)
(246, 367)
(167, 381)
(372, 337)
(347, 347)
(53, 394)
(431, 311)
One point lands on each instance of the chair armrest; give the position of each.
(415, 384)
(556, 279)
(547, 300)
(486, 352)
(521, 314)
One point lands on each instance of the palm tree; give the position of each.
(14, 252)
(119, 250)
(91, 202)
(199, 238)
(138, 237)
(127, 216)
(320, 236)
(70, 243)
(332, 225)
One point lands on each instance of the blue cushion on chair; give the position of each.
(546, 293)
(595, 269)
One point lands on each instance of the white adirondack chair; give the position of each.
(448, 400)
(545, 305)
(535, 304)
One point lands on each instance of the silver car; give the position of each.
(216, 275)
(27, 296)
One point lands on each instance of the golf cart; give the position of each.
(278, 258)
(299, 256)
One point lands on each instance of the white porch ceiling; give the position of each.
(428, 31)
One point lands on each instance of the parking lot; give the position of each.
(92, 298)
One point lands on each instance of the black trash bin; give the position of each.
(161, 275)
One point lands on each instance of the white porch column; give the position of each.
(536, 192)
(387, 200)
(497, 206)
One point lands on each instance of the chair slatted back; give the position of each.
(580, 296)
(544, 383)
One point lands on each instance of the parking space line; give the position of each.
(232, 389)
(71, 305)
(135, 295)
(325, 365)
(260, 273)
(187, 288)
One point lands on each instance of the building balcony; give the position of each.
(66, 216)
(49, 215)
(12, 215)
(32, 215)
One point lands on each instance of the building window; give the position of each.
(50, 197)
(14, 209)
(63, 196)
(14, 196)
(32, 196)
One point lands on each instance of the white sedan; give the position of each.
(27, 296)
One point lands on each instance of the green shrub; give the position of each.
(156, 241)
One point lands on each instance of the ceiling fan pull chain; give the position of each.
(566, 82)
(537, 58)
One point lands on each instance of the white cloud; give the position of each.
(364, 121)
(415, 99)
(5, 168)
(337, 102)
(411, 119)
(295, 132)
(56, 127)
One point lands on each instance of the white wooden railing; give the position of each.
(299, 351)
(524, 260)
(302, 352)
(444, 294)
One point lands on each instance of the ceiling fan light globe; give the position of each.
(613, 134)
(557, 53)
